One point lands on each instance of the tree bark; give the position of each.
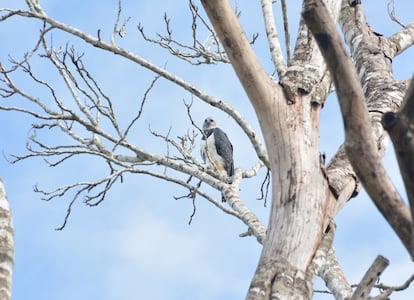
(360, 145)
(401, 129)
(370, 278)
(289, 118)
(372, 55)
(6, 246)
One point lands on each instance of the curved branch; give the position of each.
(97, 42)
(371, 55)
(192, 188)
(359, 144)
(198, 52)
(259, 87)
(388, 290)
(400, 127)
(99, 143)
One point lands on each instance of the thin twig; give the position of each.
(391, 13)
(286, 29)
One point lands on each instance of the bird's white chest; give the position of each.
(212, 158)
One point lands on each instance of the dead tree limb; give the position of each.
(364, 288)
(360, 146)
(400, 126)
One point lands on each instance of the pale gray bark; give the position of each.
(273, 38)
(400, 127)
(6, 245)
(326, 266)
(360, 145)
(298, 182)
(371, 276)
(283, 263)
(382, 92)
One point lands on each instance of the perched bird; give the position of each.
(216, 149)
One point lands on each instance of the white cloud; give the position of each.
(160, 261)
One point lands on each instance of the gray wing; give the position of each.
(224, 148)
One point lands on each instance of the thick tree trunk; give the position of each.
(289, 118)
(6, 246)
(299, 203)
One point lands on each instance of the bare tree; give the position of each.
(306, 194)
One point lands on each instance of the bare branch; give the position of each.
(371, 276)
(391, 13)
(359, 144)
(89, 115)
(239, 209)
(400, 127)
(257, 144)
(194, 124)
(286, 29)
(141, 109)
(388, 290)
(206, 52)
(34, 6)
(402, 40)
(372, 56)
(121, 31)
(231, 193)
(193, 190)
(326, 266)
(272, 37)
(248, 68)
(184, 146)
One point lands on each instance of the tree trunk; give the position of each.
(6, 246)
(289, 118)
(299, 202)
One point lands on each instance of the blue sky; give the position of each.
(137, 244)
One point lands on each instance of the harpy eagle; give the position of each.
(216, 149)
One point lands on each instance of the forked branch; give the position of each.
(88, 121)
(360, 146)
(205, 51)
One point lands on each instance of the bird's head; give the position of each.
(209, 123)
